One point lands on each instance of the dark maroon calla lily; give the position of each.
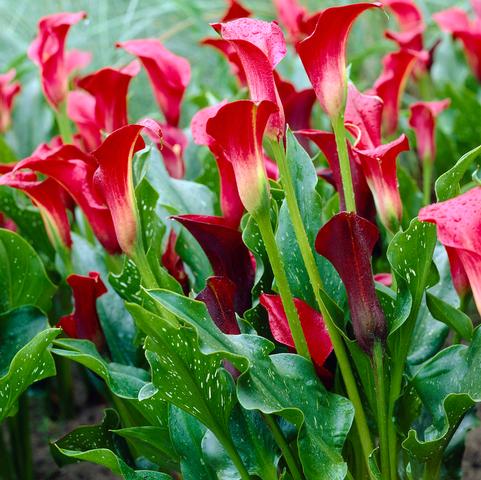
(173, 263)
(168, 73)
(323, 54)
(109, 87)
(228, 255)
(347, 241)
(48, 196)
(390, 85)
(379, 167)
(313, 326)
(458, 222)
(231, 205)
(237, 130)
(84, 322)
(47, 51)
(326, 142)
(423, 121)
(219, 298)
(260, 46)
(8, 91)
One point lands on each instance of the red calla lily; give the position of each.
(7, 223)
(410, 21)
(84, 322)
(231, 205)
(383, 278)
(168, 73)
(390, 85)
(235, 10)
(228, 255)
(456, 22)
(347, 241)
(260, 46)
(219, 298)
(8, 91)
(76, 60)
(363, 117)
(109, 87)
(323, 54)
(292, 16)
(458, 222)
(313, 326)
(237, 130)
(48, 196)
(423, 121)
(379, 167)
(172, 148)
(47, 51)
(173, 263)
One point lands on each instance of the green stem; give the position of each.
(65, 387)
(316, 282)
(382, 418)
(6, 458)
(344, 164)
(432, 469)
(63, 123)
(234, 455)
(284, 446)
(265, 228)
(140, 259)
(427, 178)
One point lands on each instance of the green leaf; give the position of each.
(23, 280)
(98, 444)
(24, 356)
(448, 185)
(6, 153)
(283, 384)
(451, 316)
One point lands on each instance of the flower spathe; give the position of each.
(84, 322)
(47, 51)
(8, 91)
(323, 54)
(458, 223)
(237, 130)
(169, 74)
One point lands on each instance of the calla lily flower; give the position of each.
(260, 46)
(347, 241)
(76, 60)
(8, 91)
(219, 298)
(323, 54)
(48, 196)
(423, 121)
(293, 16)
(410, 21)
(7, 223)
(456, 22)
(313, 326)
(458, 222)
(47, 51)
(227, 253)
(173, 263)
(383, 278)
(168, 73)
(109, 87)
(84, 322)
(363, 118)
(237, 130)
(391, 83)
(231, 205)
(234, 11)
(379, 167)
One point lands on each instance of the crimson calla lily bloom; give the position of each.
(227, 253)
(109, 87)
(47, 51)
(323, 54)
(84, 322)
(292, 16)
(423, 121)
(458, 222)
(168, 73)
(384, 278)
(237, 130)
(379, 167)
(231, 205)
(76, 60)
(48, 196)
(81, 110)
(456, 22)
(347, 241)
(391, 83)
(7, 223)
(313, 326)
(260, 46)
(234, 11)
(173, 263)
(8, 91)
(410, 21)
